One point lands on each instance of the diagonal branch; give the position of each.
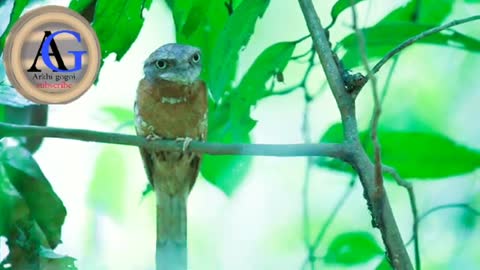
(416, 38)
(333, 150)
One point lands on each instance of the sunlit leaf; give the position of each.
(107, 188)
(272, 60)
(118, 24)
(352, 248)
(29, 180)
(339, 7)
(18, 7)
(226, 172)
(236, 34)
(413, 154)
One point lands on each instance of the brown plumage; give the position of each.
(171, 103)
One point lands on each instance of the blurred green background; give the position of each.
(249, 214)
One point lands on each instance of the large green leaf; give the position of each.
(226, 172)
(339, 7)
(432, 12)
(403, 23)
(118, 24)
(413, 154)
(272, 60)
(236, 34)
(381, 39)
(29, 180)
(107, 188)
(352, 248)
(18, 7)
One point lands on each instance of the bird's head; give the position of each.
(174, 62)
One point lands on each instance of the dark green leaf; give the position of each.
(272, 60)
(236, 34)
(18, 7)
(352, 248)
(107, 188)
(2, 113)
(413, 154)
(180, 11)
(28, 179)
(384, 265)
(118, 24)
(380, 39)
(340, 6)
(80, 5)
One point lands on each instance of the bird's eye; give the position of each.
(161, 64)
(196, 58)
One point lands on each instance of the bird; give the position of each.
(172, 103)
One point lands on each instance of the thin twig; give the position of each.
(324, 149)
(464, 206)
(413, 205)
(386, 86)
(416, 38)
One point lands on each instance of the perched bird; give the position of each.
(171, 103)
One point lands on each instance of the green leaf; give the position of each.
(29, 180)
(118, 24)
(236, 34)
(339, 7)
(272, 60)
(384, 265)
(80, 5)
(413, 154)
(352, 248)
(432, 12)
(18, 7)
(226, 172)
(381, 39)
(107, 188)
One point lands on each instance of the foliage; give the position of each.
(440, 156)
(352, 248)
(26, 196)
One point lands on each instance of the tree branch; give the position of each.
(381, 211)
(281, 150)
(414, 39)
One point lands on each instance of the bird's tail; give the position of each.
(171, 251)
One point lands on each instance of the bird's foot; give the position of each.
(186, 142)
(151, 135)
